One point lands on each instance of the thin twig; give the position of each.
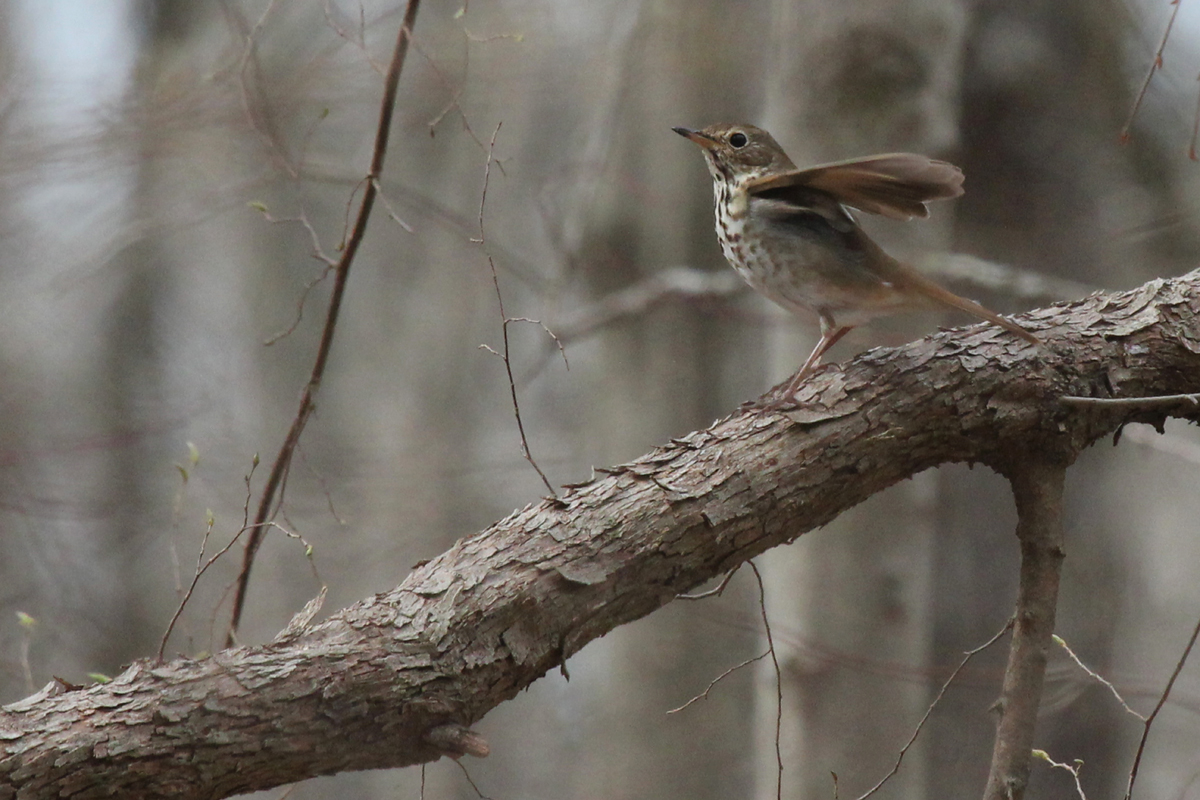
(1162, 701)
(720, 588)
(1155, 65)
(249, 71)
(467, 774)
(318, 253)
(201, 567)
(325, 490)
(505, 321)
(391, 210)
(177, 514)
(1142, 403)
(945, 686)
(1074, 770)
(762, 606)
(342, 272)
(1096, 676)
(712, 684)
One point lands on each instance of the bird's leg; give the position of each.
(831, 334)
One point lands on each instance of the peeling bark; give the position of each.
(395, 679)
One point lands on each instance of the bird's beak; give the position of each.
(700, 138)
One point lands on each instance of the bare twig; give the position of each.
(717, 591)
(359, 38)
(1074, 770)
(1096, 676)
(455, 93)
(506, 354)
(318, 253)
(325, 490)
(249, 71)
(762, 606)
(342, 272)
(946, 685)
(1037, 484)
(1155, 65)
(201, 567)
(391, 210)
(1147, 403)
(712, 684)
(1162, 701)
(185, 472)
(467, 774)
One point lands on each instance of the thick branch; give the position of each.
(369, 687)
(1038, 489)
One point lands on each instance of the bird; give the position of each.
(790, 234)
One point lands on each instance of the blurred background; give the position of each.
(140, 281)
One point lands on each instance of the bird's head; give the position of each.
(739, 152)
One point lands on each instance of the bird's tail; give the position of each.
(946, 297)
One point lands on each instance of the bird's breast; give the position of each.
(797, 259)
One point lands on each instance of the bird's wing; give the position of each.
(896, 185)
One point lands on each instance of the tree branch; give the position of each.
(375, 685)
(1037, 483)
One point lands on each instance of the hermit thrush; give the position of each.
(788, 233)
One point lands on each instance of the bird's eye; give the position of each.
(738, 140)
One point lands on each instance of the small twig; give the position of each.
(283, 459)
(249, 70)
(325, 490)
(1095, 676)
(455, 93)
(201, 567)
(505, 321)
(391, 210)
(945, 686)
(1074, 770)
(359, 40)
(1141, 403)
(317, 252)
(1162, 701)
(177, 513)
(720, 588)
(467, 774)
(762, 606)
(712, 684)
(1155, 65)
